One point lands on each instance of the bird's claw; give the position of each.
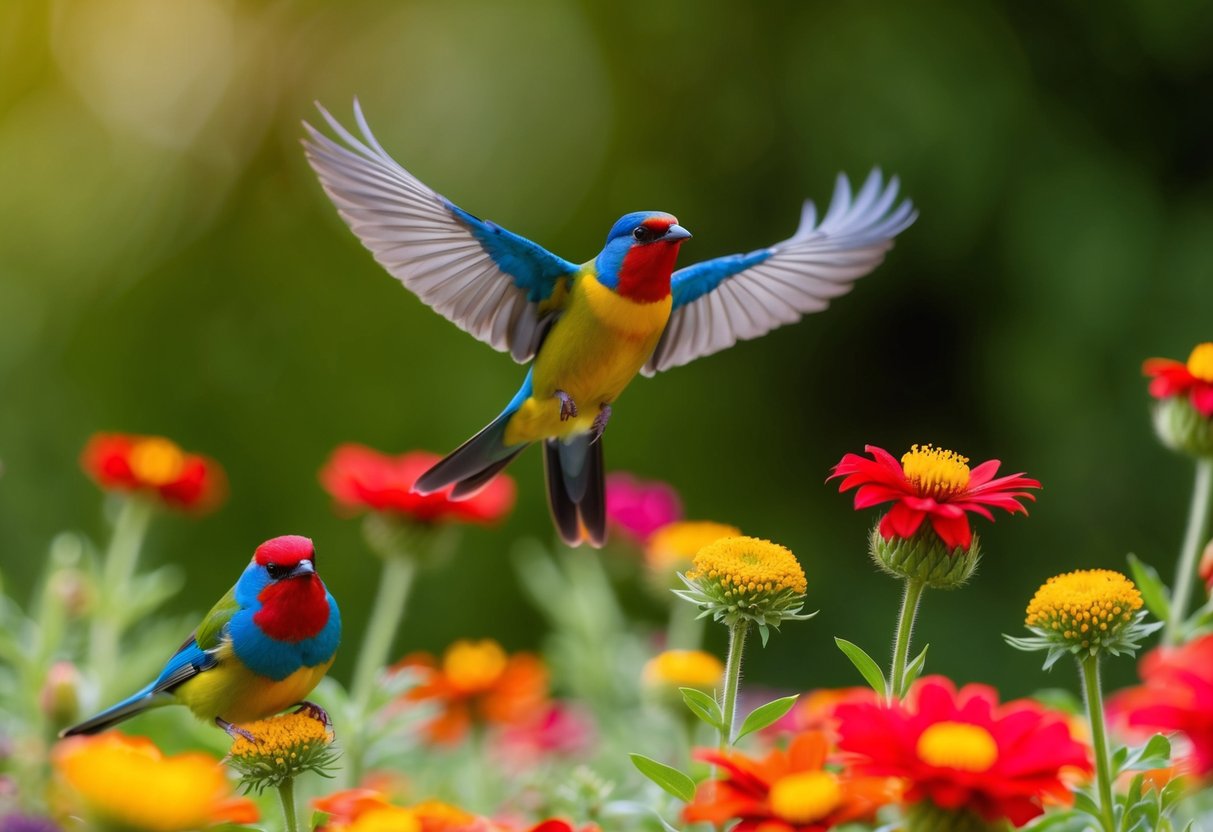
(568, 407)
(234, 731)
(315, 712)
(600, 422)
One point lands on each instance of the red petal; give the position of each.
(1202, 399)
(953, 531)
(901, 521)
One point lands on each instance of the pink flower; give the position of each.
(640, 507)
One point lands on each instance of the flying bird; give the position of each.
(259, 651)
(587, 329)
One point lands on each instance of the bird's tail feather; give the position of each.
(127, 708)
(576, 491)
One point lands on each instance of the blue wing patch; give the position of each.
(533, 268)
(695, 281)
(185, 664)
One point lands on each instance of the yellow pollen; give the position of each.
(935, 472)
(1200, 362)
(747, 565)
(805, 797)
(1085, 605)
(474, 666)
(958, 745)
(672, 546)
(157, 461)
(280, 737)
(684, 669)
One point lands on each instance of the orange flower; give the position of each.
(125, 781)
(361, 478)
(367, 810)
(478, 681)
(787, 791)
(154, 466)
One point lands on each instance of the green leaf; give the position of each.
(1153, 591)
(764, 715)
(1156, 753)
(914, 670)
(1084, 803)
(703, 706)
(669, 778)
(863, 663)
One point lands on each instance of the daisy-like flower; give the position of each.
(961, 753)
(477, 681)
(639, 507)
(1183, 414)
(115, 780)
(1176, 694)
(671, 548)
(282, 748)
(156, 467)
(786, 791)
(363, 479)
(670, 670)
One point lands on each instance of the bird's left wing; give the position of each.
(720, 302)
(494, 284)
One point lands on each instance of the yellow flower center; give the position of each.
(385, 819)
(935, 472)
(1086, 606)
(805, 797)
(958, 745)
(684, 669)
(674, 545)
(1200, 362)
(748, 566)
(281, 738)
(473, 666)
(157, 461)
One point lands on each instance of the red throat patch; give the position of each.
(644, 275)
(293, 609)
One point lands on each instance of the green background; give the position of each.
(169, 265)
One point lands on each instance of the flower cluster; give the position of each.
(156, 467)
(281, 748)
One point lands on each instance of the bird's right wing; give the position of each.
(494, 284)
(198, 653)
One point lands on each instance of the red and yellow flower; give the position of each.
(931, 484)
(1192, 379)
(477, 681)
(154, 466)
(1176, 694)
(361, 479)
(786, 791)
(963, 752)
(113, 779)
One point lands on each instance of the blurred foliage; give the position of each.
(169, 265)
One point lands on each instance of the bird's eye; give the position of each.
(274, 570)
(642, 233)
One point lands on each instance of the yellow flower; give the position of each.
(125, 781)
(672, 547)
(675, 669)
(1086, 608)
(282, 748)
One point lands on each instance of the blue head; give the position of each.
(639, 255)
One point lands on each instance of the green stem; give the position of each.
(121, 562)
(732, 681)
(394, 585)
(286, 792)
(901, 642)
(1196, 533)
(1099, 739)
(685, 628)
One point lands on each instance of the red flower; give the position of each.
(787, 791)
(360, 478)
(1193, 379)
(154, 466)
(964, 752)
(930, 483)
(1177, 695)
(640, 507)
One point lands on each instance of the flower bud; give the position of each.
(1181, 427)
(60, 695)
(925, 558)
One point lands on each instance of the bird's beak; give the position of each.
(675, 233)
(302, 570)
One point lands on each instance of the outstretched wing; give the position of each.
(494, 284)
(720, 302)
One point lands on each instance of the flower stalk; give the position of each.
(1195, 535)
(121, 563)
(732, 681)
(286, 793)
(901, 642)
(395, 582)
(1089, 669)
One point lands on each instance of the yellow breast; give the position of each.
(627, 317)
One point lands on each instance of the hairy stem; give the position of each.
(1089, 667)
(1196, 534)
(732, 681)
(901, 641)
(286, 793)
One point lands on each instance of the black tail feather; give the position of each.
(473, 463)
(576, 490)
(564, 510)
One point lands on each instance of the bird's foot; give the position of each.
(315, 712)
(568, 407)
(600, 422)
(234, 731)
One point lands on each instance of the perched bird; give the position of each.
(587, 329)
(260, 650)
